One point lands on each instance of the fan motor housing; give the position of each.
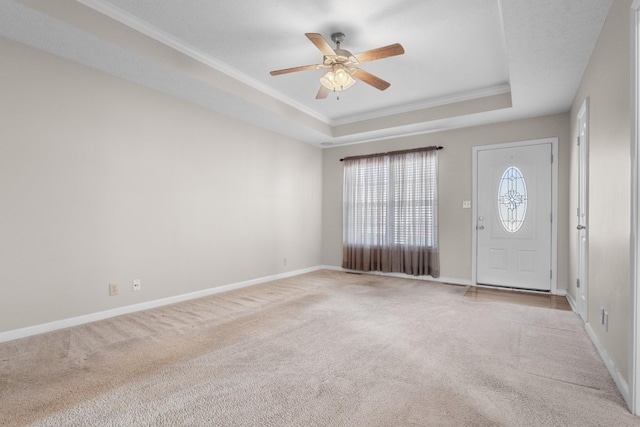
(337, 38)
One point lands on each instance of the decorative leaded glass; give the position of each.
(512, 199)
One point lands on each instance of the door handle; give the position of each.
(581, 227)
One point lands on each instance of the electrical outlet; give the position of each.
(466, 204)
(113, 289)
(136, 285)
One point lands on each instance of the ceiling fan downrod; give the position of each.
(337, 38)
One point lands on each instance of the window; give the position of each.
(512, 199)
(390, 213)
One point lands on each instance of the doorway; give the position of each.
(514, 200)
(582, 230)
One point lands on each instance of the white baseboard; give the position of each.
(615, 374)
(101, 315)
(572, 302)
(93, 317)
(448, 280)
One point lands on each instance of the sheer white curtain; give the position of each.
(391, 212)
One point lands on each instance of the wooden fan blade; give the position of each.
(321, 44)
(322, 93)
(370, 79)
(381, 52)
(293, 70)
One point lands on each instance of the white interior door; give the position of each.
(582, 233)
(514, 216)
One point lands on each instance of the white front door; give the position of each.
(514, 216)
(582, 235)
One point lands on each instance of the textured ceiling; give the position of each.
(465, 63)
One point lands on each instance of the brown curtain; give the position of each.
(390, 213)
(415, 261)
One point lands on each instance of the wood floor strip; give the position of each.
(555, 302)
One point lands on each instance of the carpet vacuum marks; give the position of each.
(321, 349)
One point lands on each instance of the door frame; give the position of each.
(633, 400)
(554, 203)
(583, 175)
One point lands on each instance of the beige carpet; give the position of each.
(322, 349)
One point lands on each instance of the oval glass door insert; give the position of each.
(512, 199)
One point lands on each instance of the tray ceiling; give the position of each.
(465, 63)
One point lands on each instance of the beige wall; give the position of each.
(606, 83)
(455, 185)
(105, 181)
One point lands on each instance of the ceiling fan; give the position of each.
(341, 64)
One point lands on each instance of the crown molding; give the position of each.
(167, 39)
(428, 103)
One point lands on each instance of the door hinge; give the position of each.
(551, 217)
(577, 283)
(578, 138)
(551, 157)
(550, 274)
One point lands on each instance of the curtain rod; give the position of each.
(413, 150)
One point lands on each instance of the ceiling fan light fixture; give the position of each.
(337, 79)
(342, 65)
